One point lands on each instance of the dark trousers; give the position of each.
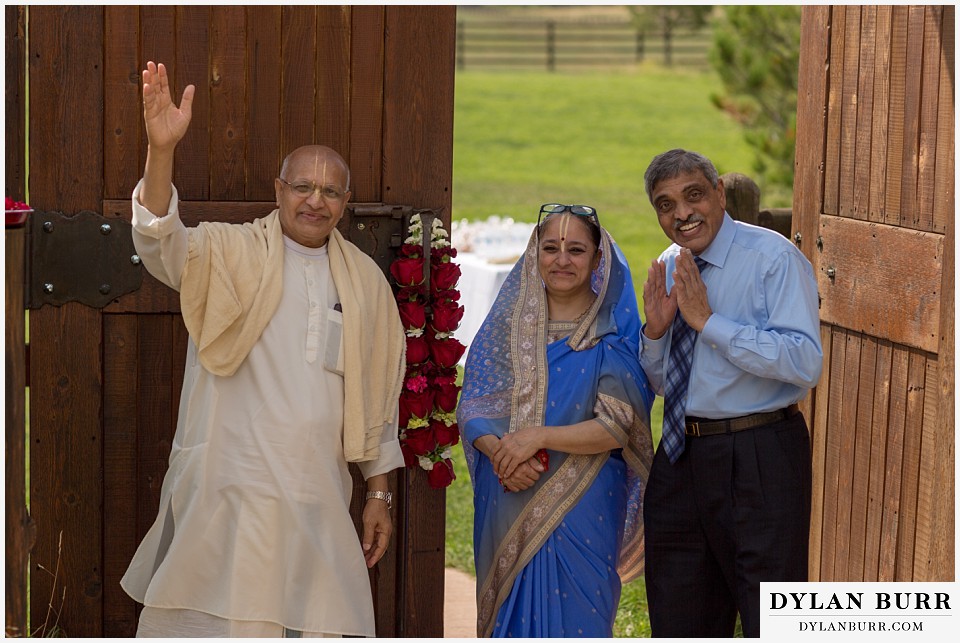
(734, 510)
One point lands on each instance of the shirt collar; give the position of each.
(716, 253)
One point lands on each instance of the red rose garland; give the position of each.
(430, 314)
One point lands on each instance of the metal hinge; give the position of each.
(85, 257)
(379, 229)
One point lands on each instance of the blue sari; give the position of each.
(551, 559)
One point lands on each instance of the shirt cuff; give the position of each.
(150, 225)
(718, 333)
(652, 349)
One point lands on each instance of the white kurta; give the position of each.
(254, 519)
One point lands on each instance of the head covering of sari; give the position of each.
(505, 388)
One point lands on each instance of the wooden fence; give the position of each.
(552, 44)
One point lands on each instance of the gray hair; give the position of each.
(676, 162)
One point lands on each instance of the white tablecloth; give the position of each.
(479, 284)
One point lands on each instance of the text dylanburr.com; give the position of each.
(797, 611)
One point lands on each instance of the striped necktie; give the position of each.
(675, 386)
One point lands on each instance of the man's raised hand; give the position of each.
(166, 123)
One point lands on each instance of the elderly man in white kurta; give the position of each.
(294, 366)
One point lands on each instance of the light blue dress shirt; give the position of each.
(760, 349)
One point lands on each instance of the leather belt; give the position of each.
(697, 426)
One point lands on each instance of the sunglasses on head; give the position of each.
(550, 209)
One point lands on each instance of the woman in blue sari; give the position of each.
(556, 428)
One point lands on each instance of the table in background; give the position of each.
(479, 285)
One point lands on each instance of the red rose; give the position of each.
(420, 441)
(444, 376)
(441, 475)
(446, 316)
(407, 272)
(417, 350)
(412, 293)
(446, 352)
(412, 314)
(445, 395)
(413, 404)
(411, 250)
(446, 436)
(444, 276)
(437, 254)
(409, 457)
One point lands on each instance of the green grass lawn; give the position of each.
(526, 138)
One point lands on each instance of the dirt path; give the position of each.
(459, 605)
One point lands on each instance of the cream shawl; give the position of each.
(231, 287)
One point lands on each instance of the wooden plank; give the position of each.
(832, 170)
(871, 258)
(228, 114)
(848, 114)
(123, 111)
(881, 105)
(878, 454)
(417, 169)
(65, 464)
(19, 531)
(893, 475)
(808, 195)
(909, 215)
(910, 478)
(154, 417)
(811, 127)
(332, 125)
(941, 563)
(929, 111)
(298, 77)
(859, 500)
(943, 198)
(120, 538)
(832, 457)
(66, 173)
(818, 447)
(847, 452)
(418, 106)
(860, 205)
(366, 102)
(191, 172)
(422, 571)
(15, 100)
(895, 130)
(263, 96)
(928, 485)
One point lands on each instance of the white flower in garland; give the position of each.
(438, 236)
(416, 231)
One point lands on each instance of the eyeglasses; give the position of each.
(550, 209)
(306, 189)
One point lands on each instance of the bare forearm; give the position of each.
(155, 192)
(585, 437)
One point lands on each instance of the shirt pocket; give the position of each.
(333, 342)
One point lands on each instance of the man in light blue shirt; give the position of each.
(732, 340)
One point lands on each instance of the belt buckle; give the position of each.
(693, 428)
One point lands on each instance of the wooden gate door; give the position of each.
(874, 204)
(375, 83)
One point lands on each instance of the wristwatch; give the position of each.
(386, 496)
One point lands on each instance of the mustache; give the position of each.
(693, 218)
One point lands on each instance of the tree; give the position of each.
(756, 52)
(666, 19)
